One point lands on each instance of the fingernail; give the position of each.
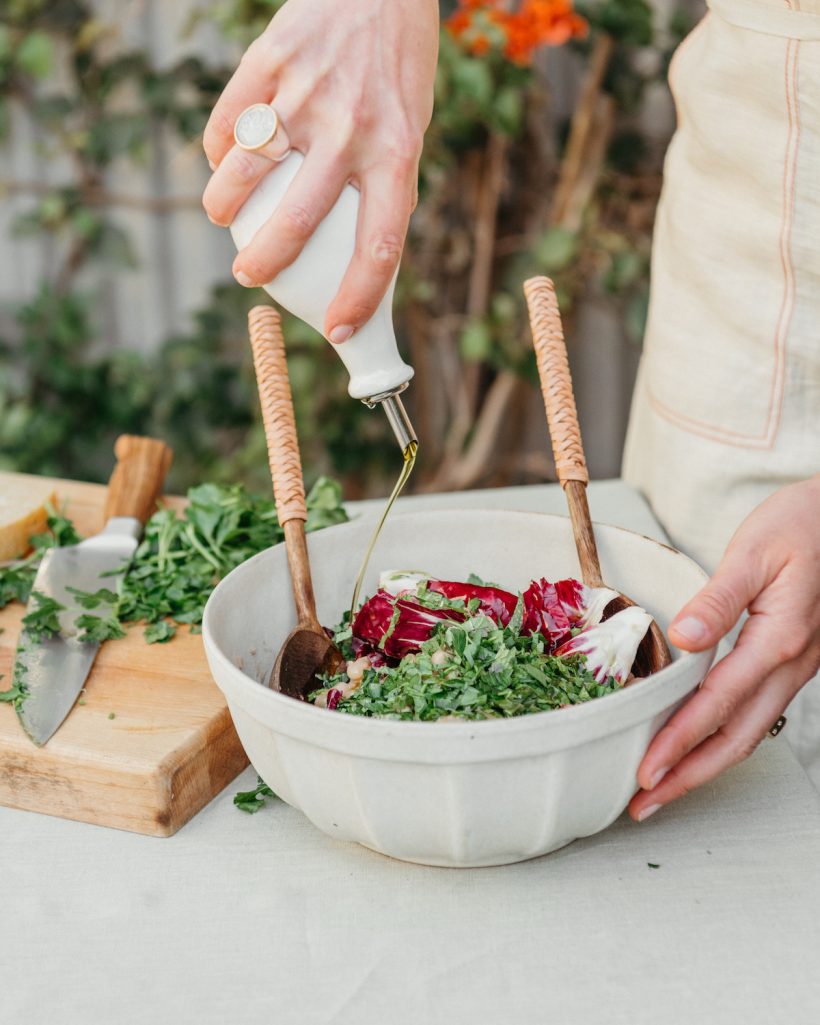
(691, 628)
(243, 279)
(340, 333)
(657, 777)
(212, 165)
(644, 815)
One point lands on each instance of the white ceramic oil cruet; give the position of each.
(306, 288)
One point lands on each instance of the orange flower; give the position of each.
(458, 23)
(480, 44)
(533, 24)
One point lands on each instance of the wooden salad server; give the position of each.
(307, 650)
(556, 387)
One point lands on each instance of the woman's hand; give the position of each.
(353, 85)
(772, 569)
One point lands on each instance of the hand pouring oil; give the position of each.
(307, 287)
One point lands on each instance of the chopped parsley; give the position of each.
(14, 693)
(178, 563)
(44, 619)
(252, 800)
(159, 633)
(96, 629)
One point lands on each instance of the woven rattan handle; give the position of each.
(272, 380)
(556, 387)
(556, 382)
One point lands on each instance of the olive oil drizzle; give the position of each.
(406, 470)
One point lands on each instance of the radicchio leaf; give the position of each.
(495, 603)
(554, 610)
(610, 647)
(398, 626)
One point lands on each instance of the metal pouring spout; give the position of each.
(396, 416)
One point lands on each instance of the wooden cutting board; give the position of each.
(153, 741)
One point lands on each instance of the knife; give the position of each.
(52, 671)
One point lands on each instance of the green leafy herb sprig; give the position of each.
(252, 800)
(44, 619)
(470, 670)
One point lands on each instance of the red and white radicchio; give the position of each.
(554, 610)
(610, 647)
(398, 626)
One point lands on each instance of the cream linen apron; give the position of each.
(727, 403)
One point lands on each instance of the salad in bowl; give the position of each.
(427, 649)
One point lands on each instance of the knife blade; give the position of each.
(52, 671)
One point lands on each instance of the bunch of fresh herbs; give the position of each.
(176, 566)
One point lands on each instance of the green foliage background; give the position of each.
(63, 399)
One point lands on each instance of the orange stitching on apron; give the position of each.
(765, 440)
(789, 178)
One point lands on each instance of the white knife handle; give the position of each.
(307, 287)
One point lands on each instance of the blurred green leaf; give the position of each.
(628, 21)
(555, 249)
(34, 55)
(473, 77)
(624, 270)
(476, 341)
(6, 45)
(508, 105)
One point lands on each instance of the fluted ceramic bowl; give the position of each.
(450, 793)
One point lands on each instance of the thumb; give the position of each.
(716, 608)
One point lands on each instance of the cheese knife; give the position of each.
(51, 671)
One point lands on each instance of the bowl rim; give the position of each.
(296, 718)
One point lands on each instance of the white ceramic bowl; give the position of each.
(454, 793)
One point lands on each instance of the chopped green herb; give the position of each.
(474, 578)
(96, 629)
(18, 690)
(252, 800)
(182, 558)
(16, 582)
(177, 565)
(12, 694)
(93, 599)
(58, 533)
(112, 715)
(44, 620)
(159, 633)
(652, 864)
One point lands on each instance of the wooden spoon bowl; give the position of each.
(307, 651)
(570, 464)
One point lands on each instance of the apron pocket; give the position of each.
(722, 276)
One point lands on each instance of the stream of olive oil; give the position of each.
(406, 470)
